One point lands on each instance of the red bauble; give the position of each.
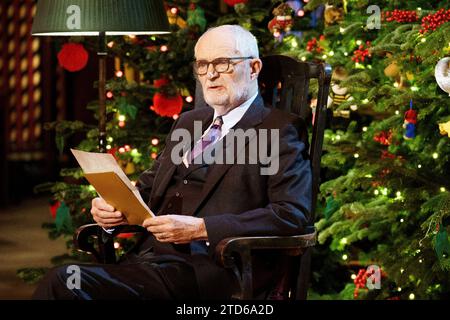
(233, 2)
(167, 106)
(160, 82)
(73, 57)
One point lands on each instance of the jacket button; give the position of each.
(177, 194)
(185, 182)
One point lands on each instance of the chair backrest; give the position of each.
(285, 84)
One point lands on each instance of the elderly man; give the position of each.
(199, 204)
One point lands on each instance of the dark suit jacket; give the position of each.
(236, 199)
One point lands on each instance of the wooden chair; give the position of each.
(285, 84)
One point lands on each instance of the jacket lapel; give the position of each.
(167, 168)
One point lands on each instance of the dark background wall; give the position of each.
(35, 90)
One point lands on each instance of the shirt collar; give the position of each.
(235, 115)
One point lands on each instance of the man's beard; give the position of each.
(225, 100)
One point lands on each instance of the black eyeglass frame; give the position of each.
(215, 63)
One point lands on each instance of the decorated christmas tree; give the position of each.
(384, 217)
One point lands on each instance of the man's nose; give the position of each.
(212, 73)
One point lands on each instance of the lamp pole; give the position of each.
(102, 54)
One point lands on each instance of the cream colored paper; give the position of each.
(111, 183)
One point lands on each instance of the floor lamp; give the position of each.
(100, 18)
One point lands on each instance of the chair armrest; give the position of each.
(104, 239)
(242, 245)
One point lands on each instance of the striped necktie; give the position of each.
(209, 138)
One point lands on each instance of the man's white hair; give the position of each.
(246, 43)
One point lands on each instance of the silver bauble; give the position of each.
(442, 74)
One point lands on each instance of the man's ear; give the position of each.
(255, 67)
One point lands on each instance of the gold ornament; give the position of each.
(444, 128)
(176, 19)
(333, 15)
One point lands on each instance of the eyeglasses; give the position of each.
(220, 65)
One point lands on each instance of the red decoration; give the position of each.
(384, 137)
(54, 208)
(360, 282)
(387, 155)
(362, 53)
(160, 82)
(73, 57)
(432, 21)
(282, 22)
(113, 152)
(401, 16)
(167, 106)
(314, 45)
(231, 3)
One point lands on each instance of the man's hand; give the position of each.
(105, 215)
(177, 229)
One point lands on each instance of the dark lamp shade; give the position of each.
(90, 17)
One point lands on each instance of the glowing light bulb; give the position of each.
(174, 10)
(122, 118)
(303, 58)
(412, 296)
(356, 155)
(442, 189)
(119, 74)
(353, 276)
(155, 141)
(344, 257)
(435, 155)
(164, 48)
(189, 99)
(300, 13)
(110, 44)
(419, 166)
(116, 245)
(364, 129)
(109, 95)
